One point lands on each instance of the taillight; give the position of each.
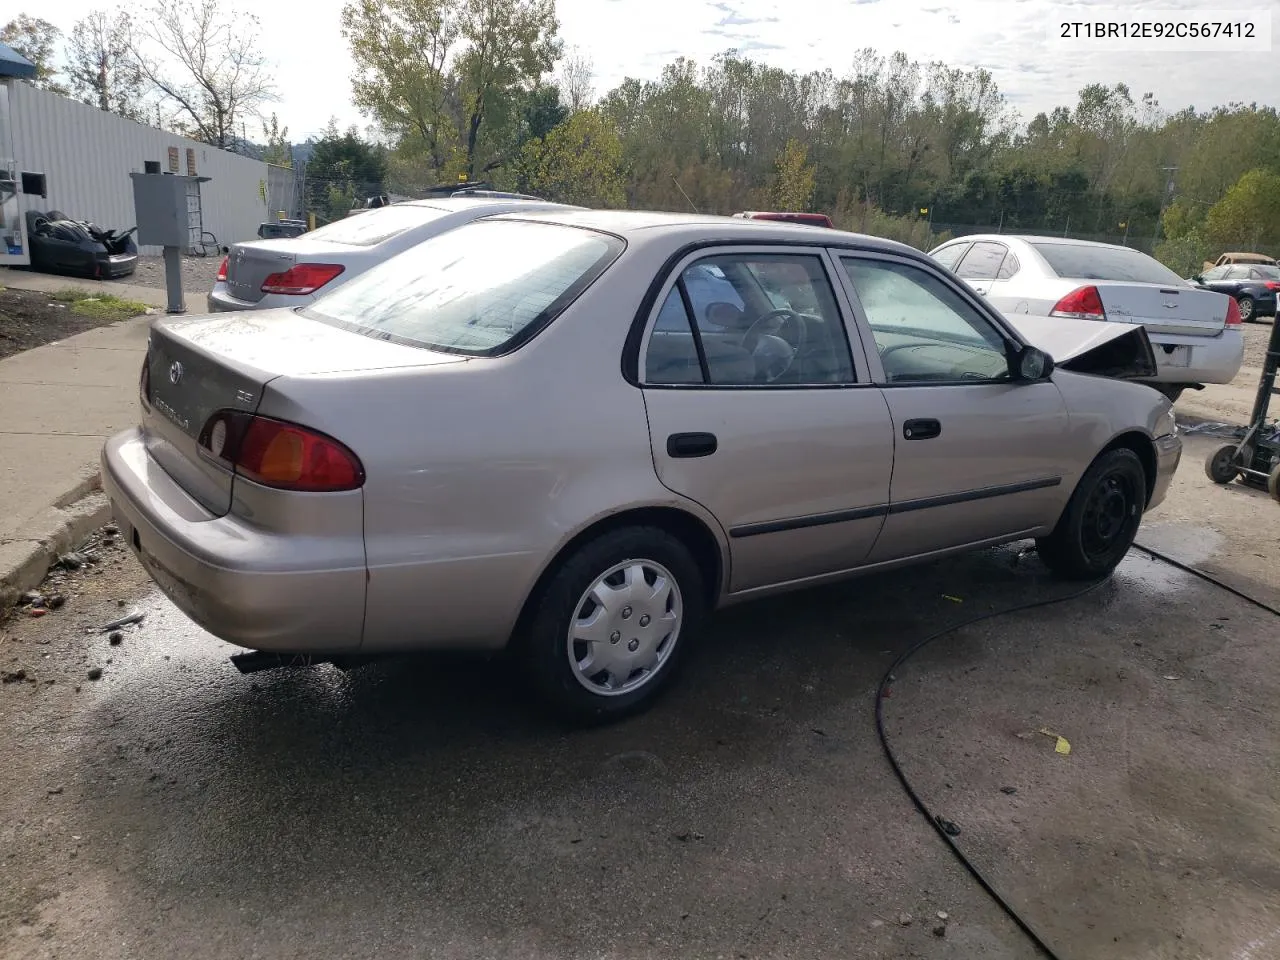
(1272, 285)
(1233, 312)
(222, 270)
(144, 380)
(302, 278)
(276, 453)
(1083, 303)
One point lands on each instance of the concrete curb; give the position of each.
(25, 559)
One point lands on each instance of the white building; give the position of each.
(86, 155)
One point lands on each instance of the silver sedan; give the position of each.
(574, 435)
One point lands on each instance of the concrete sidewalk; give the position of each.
(60, 402)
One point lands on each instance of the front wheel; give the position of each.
(1273, 482)
(612, 623)
(1101, 519)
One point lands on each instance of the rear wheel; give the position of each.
(1101, 520)
(612, 623)
(1220, 466)
(1273, 482)
(1246, 308)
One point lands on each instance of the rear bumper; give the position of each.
(1209, 359)
(244, 585)
(1168, 455)
(221, 301)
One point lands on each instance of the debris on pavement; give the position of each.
(133, 616)
(13, 676)
(943, 915)
(940, 930)
(904, 919)
(1172, 676)
(948, 826)
(95, 673)
(37, 612)
(947, 596)
(115, 638)
(1009, 790)
(1062, 746)
(53, 791)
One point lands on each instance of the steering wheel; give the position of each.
(781, 319)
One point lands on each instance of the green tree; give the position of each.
(580, 161)
(103, 72)
(794, 179)
(37, 40)
(1248, 216)
(342, 168)
(278, 150)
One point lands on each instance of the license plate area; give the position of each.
(1175, 356)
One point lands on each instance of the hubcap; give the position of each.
(1246, 308)
(625, 627)
(1106, 514)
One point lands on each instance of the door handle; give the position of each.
(685, 445)
(921, 429)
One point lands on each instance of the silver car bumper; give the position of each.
(242, 584)
(1168, 454)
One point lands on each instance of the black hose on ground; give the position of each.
(936, 821)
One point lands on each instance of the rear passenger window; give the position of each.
(982, 262)
(947, 256)
(758, 320)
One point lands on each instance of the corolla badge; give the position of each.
(175, 373)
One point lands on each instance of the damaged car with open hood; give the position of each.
(572, 435)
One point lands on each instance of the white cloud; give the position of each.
(637, 37)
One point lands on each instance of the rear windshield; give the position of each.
(369, 227)
(1081, 262)
(1265, 272)
(480, 290)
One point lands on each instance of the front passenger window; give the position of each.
(924, 331)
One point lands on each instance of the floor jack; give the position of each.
(1255, 460)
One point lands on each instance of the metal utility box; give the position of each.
(167, 207)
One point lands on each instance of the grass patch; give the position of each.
(99, 306)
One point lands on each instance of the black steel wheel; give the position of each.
(1101, 519)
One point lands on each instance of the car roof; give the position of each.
(472, 202)
(1037, 238)
(644, 225)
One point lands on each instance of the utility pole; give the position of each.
(1164, 202)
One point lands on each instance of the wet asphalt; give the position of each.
(420, 808)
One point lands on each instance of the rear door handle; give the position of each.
(685, 445)
(921, 429)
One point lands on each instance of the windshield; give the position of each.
(373, 226)
(1077, 261)
(479, 290)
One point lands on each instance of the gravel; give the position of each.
(198, 274)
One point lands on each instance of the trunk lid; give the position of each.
(248, 264)
(1090, 346)
(202, 365)
(1184, 311)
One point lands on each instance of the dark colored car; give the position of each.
(811, 219)
(61, 245)
(1253, 285)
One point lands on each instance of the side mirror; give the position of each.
(1030, 365)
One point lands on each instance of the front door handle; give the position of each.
(685, 445)
(921, 429)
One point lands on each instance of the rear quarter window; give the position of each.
(480, 290)
(1083, 262)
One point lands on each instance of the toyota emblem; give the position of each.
(175, 372)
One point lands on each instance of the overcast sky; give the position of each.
(312, 64)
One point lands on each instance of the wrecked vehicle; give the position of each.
(79, 247)
(651, 416)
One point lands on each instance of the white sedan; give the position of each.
(1196, 333)
(291, 272)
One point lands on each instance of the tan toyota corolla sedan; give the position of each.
(575, 434)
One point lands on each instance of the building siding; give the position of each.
(87, 155)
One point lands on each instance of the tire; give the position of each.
(549, 656)
(1171, 390)
(1220, 466)
(1101, 520)
(1273, 482)
(1246, 309)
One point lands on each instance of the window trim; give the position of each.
(669, 277)
(1013, 341)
